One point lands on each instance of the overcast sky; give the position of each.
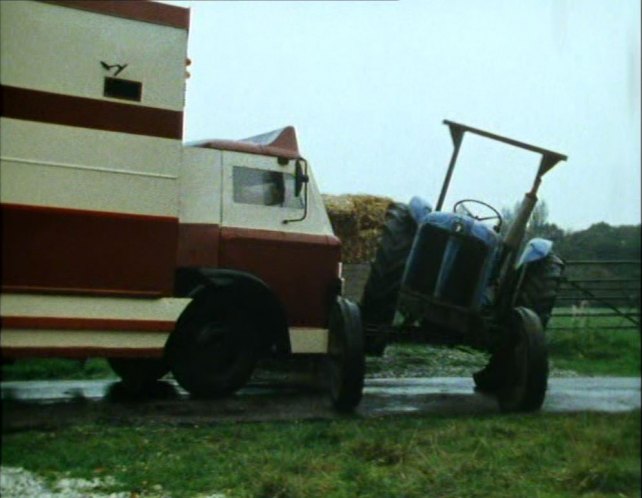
(367, 85)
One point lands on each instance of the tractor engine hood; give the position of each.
(463, 225)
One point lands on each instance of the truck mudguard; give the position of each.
(419, 209)
(536, 250)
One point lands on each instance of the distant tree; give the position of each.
(538, 225)
(539, 218)
(603, 241)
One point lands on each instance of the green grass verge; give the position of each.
(550, 455)
(592, 351)
(57, 368)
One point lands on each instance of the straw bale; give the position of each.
(357, 220)
(362, 248)
(370, 210)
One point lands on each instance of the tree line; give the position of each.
(619, 284)
(600, 241)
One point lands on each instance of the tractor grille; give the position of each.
(447, 267)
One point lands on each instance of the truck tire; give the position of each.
(137, 374)
(539, 287)
(346, 360)
(380, 294)
(214, 349)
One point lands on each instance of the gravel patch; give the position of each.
(16, 482)
(398, 361)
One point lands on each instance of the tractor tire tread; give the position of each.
(382, 287)
(540, 286)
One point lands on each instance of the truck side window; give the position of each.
(264, 188)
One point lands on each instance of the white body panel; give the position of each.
(50, 165)
(200, 184)
(35, 56)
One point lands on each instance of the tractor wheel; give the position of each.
(213, 351)
(138, 373)
(538, 290)
(346, 361)
(524, 364)
(380, 294)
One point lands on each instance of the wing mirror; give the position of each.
(300, 178)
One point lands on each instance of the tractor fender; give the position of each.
(419, 209)
(246, 288)
(536, 250)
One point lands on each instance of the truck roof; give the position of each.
(277, 143)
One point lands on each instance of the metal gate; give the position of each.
(602, 295)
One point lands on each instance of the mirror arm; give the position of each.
(305, 195)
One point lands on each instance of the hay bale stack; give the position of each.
(357, 220)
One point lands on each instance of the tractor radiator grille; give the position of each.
(447, 267)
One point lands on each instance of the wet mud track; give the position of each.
(51, 404)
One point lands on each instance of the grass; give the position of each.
(550, 455)
(57, 368)
(595, 351)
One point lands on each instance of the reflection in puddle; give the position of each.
(396, 409)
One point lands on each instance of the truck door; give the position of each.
(298, 260)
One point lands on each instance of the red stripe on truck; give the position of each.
(69, 110)
(198, 245)
(302, 269)
(97, 253)
(82, 352)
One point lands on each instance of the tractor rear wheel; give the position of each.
(539, 287)
(380, 294)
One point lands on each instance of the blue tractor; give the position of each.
(457, 278)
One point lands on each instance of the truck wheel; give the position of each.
(213, 350)
(525, 365)
(539, 286)
(380, 294)
(138, 373)
(346, 361)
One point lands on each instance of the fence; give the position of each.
(593, 294)
(601, 295)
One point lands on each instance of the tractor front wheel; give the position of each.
(537, 291)
(524, 364)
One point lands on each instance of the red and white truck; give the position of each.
(121, 241)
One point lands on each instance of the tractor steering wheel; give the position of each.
(461, 205)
